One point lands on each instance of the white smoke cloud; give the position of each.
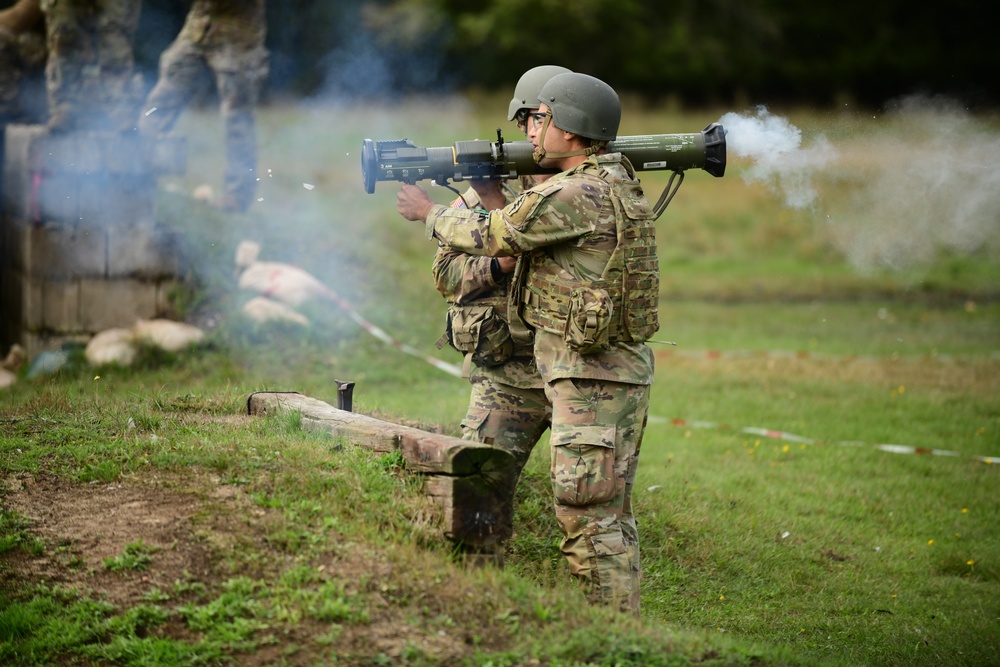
(778, 157)
(923, 180)
(937, 190)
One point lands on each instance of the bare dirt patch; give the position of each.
(195, 526)
(83, 525)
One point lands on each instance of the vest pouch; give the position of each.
(479, 331)
(638, 262)
(642, 294)
(588, 322)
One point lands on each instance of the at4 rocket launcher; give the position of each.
(401, 160)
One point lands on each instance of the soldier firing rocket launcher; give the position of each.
(401, 160)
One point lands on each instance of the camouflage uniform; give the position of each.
(22, 56)
(572, 227)
(507, 407)
(89, 74)
(226, 37)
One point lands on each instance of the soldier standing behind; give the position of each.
(227, 38)
(507, 406)
(89, 74)
(590, 290)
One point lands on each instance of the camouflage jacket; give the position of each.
(574, 224)
(464, 279)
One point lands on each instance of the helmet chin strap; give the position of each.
(540, 153)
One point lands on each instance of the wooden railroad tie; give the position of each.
(472, 482)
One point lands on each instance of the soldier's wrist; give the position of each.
(495, 271)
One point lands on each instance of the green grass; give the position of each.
(137, 556)
(756, 550)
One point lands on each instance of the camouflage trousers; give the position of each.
(22, 58)
(506, 417)
(239, 75)
(597, 429)
(89, 74)
(10, 77)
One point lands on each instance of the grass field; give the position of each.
(147, 521)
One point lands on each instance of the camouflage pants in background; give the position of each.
(10, 77)
(239, 75)
(597, 429)
(506, 417)
(89, 74)
(21, 57)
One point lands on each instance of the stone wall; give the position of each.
(80, 247)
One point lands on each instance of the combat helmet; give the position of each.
(583, 105)
(529, 86)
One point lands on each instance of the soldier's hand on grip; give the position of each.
(413, 203)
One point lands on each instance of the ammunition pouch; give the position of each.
(588, 322)
(478, 330)
(584, 315)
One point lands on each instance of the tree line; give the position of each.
(692, 51)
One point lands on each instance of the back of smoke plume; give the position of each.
(932, 188)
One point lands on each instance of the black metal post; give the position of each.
(345, 393)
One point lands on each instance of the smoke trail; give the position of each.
(937, 189)
(775, 147)
(922, 181)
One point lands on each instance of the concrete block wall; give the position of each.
(80, 248)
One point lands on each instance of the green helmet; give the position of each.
(529, 86)
(583, 105)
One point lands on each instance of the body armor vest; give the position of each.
(620, 306)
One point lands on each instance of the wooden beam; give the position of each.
(472, 482)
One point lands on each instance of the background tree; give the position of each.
(714, 51)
